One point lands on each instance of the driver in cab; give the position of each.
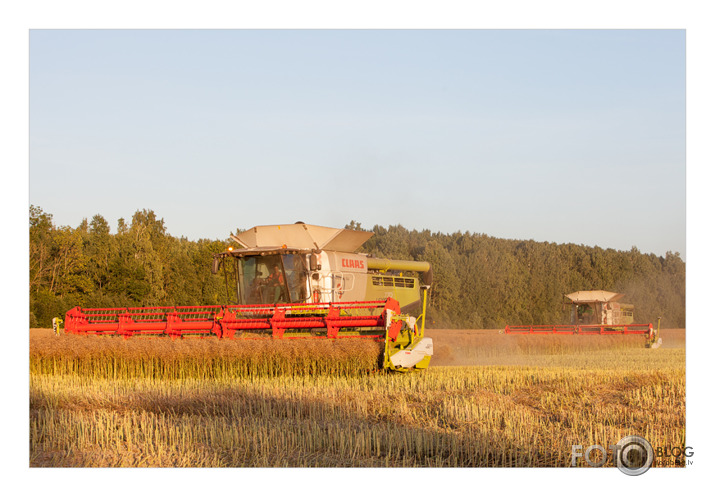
(276, 281)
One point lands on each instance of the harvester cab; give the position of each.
(596, 307)
(318, 269)
(294, 281)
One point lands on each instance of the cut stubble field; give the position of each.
(487, 400)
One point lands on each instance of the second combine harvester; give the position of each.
(293, 281)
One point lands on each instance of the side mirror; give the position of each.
(216, 265)
(314, 266)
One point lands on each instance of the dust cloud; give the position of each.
(490, 347)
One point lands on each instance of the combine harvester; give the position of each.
(596, 312)
(294, 281)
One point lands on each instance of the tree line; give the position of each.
(479, 281)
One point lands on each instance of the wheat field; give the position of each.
(488, 400)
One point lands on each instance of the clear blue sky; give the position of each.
(563, 136)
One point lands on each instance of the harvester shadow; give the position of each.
(247, 428)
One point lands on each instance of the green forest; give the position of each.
(479, 281)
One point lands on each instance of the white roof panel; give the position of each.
(594, 296)
(304, 236)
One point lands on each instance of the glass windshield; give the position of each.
(272, 279)
(296, 276)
